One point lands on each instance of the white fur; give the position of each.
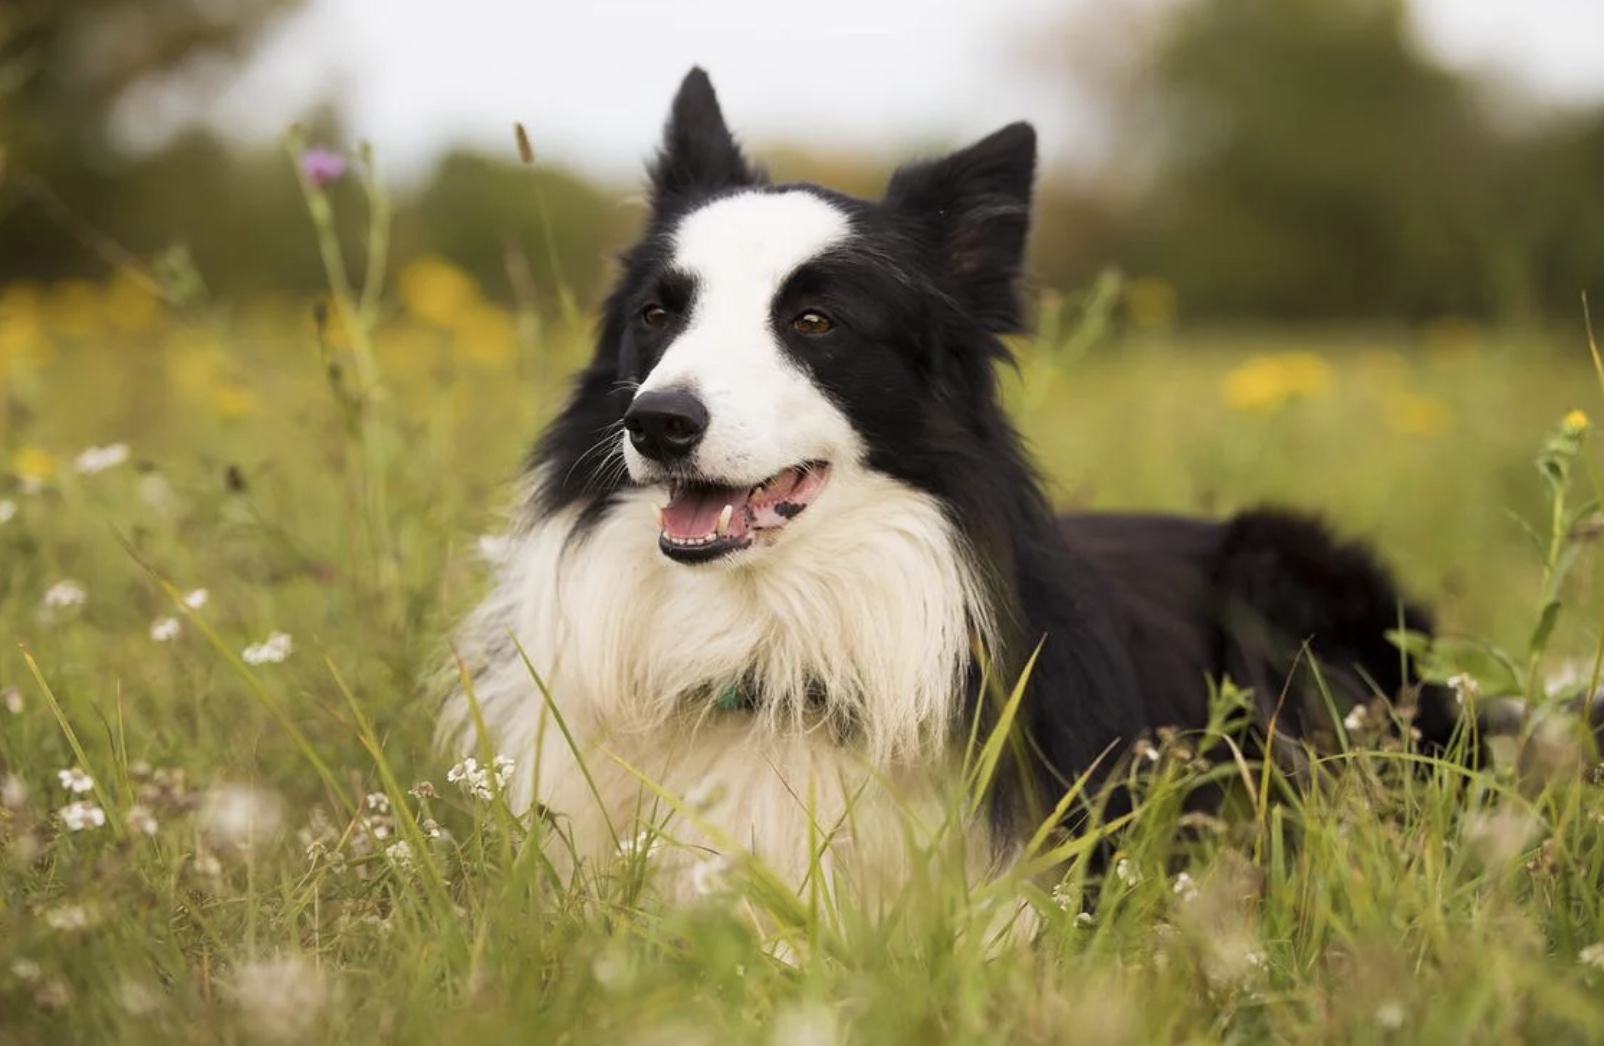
(869, 598)
(764, 415)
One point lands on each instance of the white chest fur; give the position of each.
(851, 635)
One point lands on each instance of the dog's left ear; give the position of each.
(698, 155)
(971, 210)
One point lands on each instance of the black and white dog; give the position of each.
(783, 528)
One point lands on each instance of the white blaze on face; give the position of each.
(764, 414)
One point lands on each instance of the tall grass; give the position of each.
(283, 856)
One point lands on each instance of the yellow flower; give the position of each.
(33, 463)
(73, 308)
(130, 303)
(22, 333)
(1263, 384)
(1576, 422)
(1151, 303)
(485, 336)
(1415, 414)
(232, 401)
(435, 291)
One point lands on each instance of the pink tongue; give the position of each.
(694, 510)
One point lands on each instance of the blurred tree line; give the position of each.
(1286, 159)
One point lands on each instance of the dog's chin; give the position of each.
(707, 520)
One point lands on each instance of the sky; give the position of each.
(591, 79)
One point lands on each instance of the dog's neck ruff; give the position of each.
(858, 624)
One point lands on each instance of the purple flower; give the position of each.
(322, 167)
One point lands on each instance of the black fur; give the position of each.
(1133, 615)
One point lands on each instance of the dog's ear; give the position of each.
(971, 211)
(698, 154)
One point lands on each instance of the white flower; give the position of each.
(13, 699)
(81, 815)
(1592, 955)
(70, 917)
(25, 970)
(240, 816)
(140, 819)
(280, 998)
(196, 598)
(64, 595)
(400, 854)
(1390, 1016)
(1184, 887)
(1127, 872)
(75, 780)
(272, 650)
(707, 876)
(8, 510)
(378, 802)
(13, 792)
(1466, 689)
(164, 629)
(1085, 921)
(1355, 720)
(99, 459)
(645, 845)
(476, 779)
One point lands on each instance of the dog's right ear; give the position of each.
(698, 155)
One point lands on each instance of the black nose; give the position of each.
(666, 426)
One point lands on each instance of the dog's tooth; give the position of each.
(724, 520)
(757, 493)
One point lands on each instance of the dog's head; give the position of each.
(767, 345)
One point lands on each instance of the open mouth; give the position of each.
(705, 521)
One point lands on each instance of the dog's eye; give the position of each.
(654, 316)
(811, 322)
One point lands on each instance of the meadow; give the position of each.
(233, 536)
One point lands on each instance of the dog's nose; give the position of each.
(666, 426)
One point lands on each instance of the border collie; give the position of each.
(782, 545)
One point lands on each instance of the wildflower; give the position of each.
(1355, 720)
(33, 466)
(1085, 921)
(240, 816)
(13, 792)
(1126, 872)
(69, 918)
(1466, 689)
(272, 650)
(645, 845)
(25, 970)
(13, 699)
(8, 510)
(707, 876)
(378, 802)
(399, 854)
(432, 829)
(1184, 887)
(99, 459)
(422, 790)
(75, 780)
(806, 1024)
(64, 595)
(1390, 1016)
(164, 629)
(322, 167)
(1592, 955)
(1575, 423)
(280, 998)
(196, 598)
(140, 819)
(81, 815)
(477, 780)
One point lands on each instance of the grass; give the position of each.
(283, 857)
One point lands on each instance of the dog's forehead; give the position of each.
(756, 239)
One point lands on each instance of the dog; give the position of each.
(783, 554)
